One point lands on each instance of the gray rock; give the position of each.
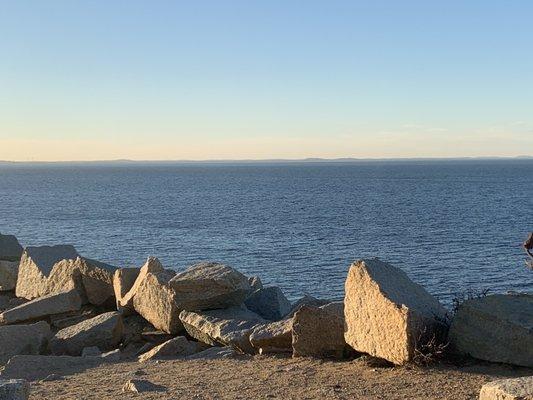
(208, 286)
(92, 351)
(508, 389)
(104, 331)
(176, 347)
(52, 377)
(255, 283)
(269, 302)
(319, 331)
(274, 337)
(8, 275)
(228, 327)
(307, 300)
(140, 386)
(23, 339)
(43, 307)
(10, 248)
(387, 315)
(496, 328)
(214, 353)
(111, 356)
(14, 389)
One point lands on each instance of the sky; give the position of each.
(198, 80)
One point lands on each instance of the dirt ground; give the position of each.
(268, 377)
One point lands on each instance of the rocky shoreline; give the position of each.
(65, 312)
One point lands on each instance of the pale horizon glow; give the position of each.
(233, 80)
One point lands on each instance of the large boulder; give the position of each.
(10, 248)
(387, 315)
(496, 328)
(273, 337)
(508, 389)
(207, 286)
(176, 347)
(104, 331)
(14, 389)
(8, 275)
(23, 339)
(97, 280)
(125, 301)
(269, 302)
(123, 281)
(155, 301)
(43, 307)
(319, 331)
(227, 327)
(306, 300)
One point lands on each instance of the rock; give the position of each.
(14, 389)
(496, 328)
(156, 337)
(123, 281)
(140, 386)
(155, 300)
(214, 353)
(274, 337)
(228, 327)
(36, 367)
(92, 351)
(152, 265)
(10, 248)
(508, 389)
(42, 271)
(319, 331)
(176, 347)
(207, 286)
(269, 302)
(52, 377)
(54, 269)
(43, 307)
(255, 283)
(104, 331)
(134, 328)
(23, 339)
(8, 275)
(307, 300)
(64, 320)
(111, 356)
(387, 315)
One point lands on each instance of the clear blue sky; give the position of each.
(250, 79)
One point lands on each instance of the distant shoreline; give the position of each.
(266, 161)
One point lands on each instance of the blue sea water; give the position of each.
(450, 225)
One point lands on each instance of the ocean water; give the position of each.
(451, 226)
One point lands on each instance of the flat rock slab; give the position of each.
(8, 275)
(228, 327)
(142, 385)
(176, 347)
(269, 302)
(207, 286)
(274, 337)
(37, 367)
(10, 248)
(14, 389)
(104, 331)
(508, 389)
(43, 307)
(23, 339)
(386, 314)
(319, 331)
(496, 328)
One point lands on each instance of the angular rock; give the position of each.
(134, 327)
(228, 327)
(36, 367)
(43, 307)
(53, 269)
(8, 275)
(176, 347)
(23, 339)
(10, 248)
(306, 300)
(387, 315)
(496, 328)
(140, 386)
(153, 266)
(14, 389)
(269, 302)
(275, 337)
(64, 320)
(319, 331)
(207, 286)
(255, 283)
(214, 353)
(104, 331)
(508, 389)
(123, 281)
(155, 301)
(92, 351)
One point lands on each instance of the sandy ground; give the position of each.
(267, 377)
